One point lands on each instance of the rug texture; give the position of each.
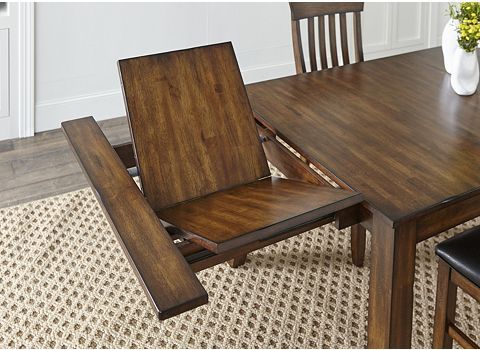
(64, 282)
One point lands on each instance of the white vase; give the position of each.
(465, 73)
(449, 44)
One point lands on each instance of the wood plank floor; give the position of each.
(43, 165)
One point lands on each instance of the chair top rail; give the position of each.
(301, 10)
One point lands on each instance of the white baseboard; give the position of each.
(263, 73)
(101, 105)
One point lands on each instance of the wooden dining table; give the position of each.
(394, 130)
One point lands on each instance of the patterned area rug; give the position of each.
(64, 282)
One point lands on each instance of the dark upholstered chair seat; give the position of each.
(463, 254)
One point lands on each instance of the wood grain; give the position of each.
(289, 165)
(410, 146)
(301, 10)
(321, 44)
(200, 159)
(297, 47)
(208, 259)
(343, 37)
(468, 286)
(126, 154)
(452, 213)
(256, 211)
(311, 44)
(445, 330)
(186, 108)
(357, 33)
(169, 282)
(332, 35)
(461, 338)
(392, 272)
(446, 300)
(358, 238)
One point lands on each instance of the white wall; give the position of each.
(78, 44)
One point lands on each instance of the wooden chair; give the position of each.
(203, 173)
(458, 266)
(325, 12)
(321, 13)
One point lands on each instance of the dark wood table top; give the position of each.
(392, 129)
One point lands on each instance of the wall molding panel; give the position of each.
(26, 69)
(381, 15)
(4, 73)
(17, 70)
(420, 36)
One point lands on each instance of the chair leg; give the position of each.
(238, 261)
(358, 236)
(445, 307)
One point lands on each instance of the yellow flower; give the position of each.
(468, 28)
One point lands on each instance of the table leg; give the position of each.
(444, 307)
(391, 284)
(358, 236)
(238, 261)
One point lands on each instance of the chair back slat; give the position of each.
(333, 40)
(322, 40)
(309, 11)
(357, 34)
(343, 36)
(297, 48)
(311, 44)
(191, 123)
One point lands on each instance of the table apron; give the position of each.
(450, 215)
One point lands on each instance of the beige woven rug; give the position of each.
(64, 282)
